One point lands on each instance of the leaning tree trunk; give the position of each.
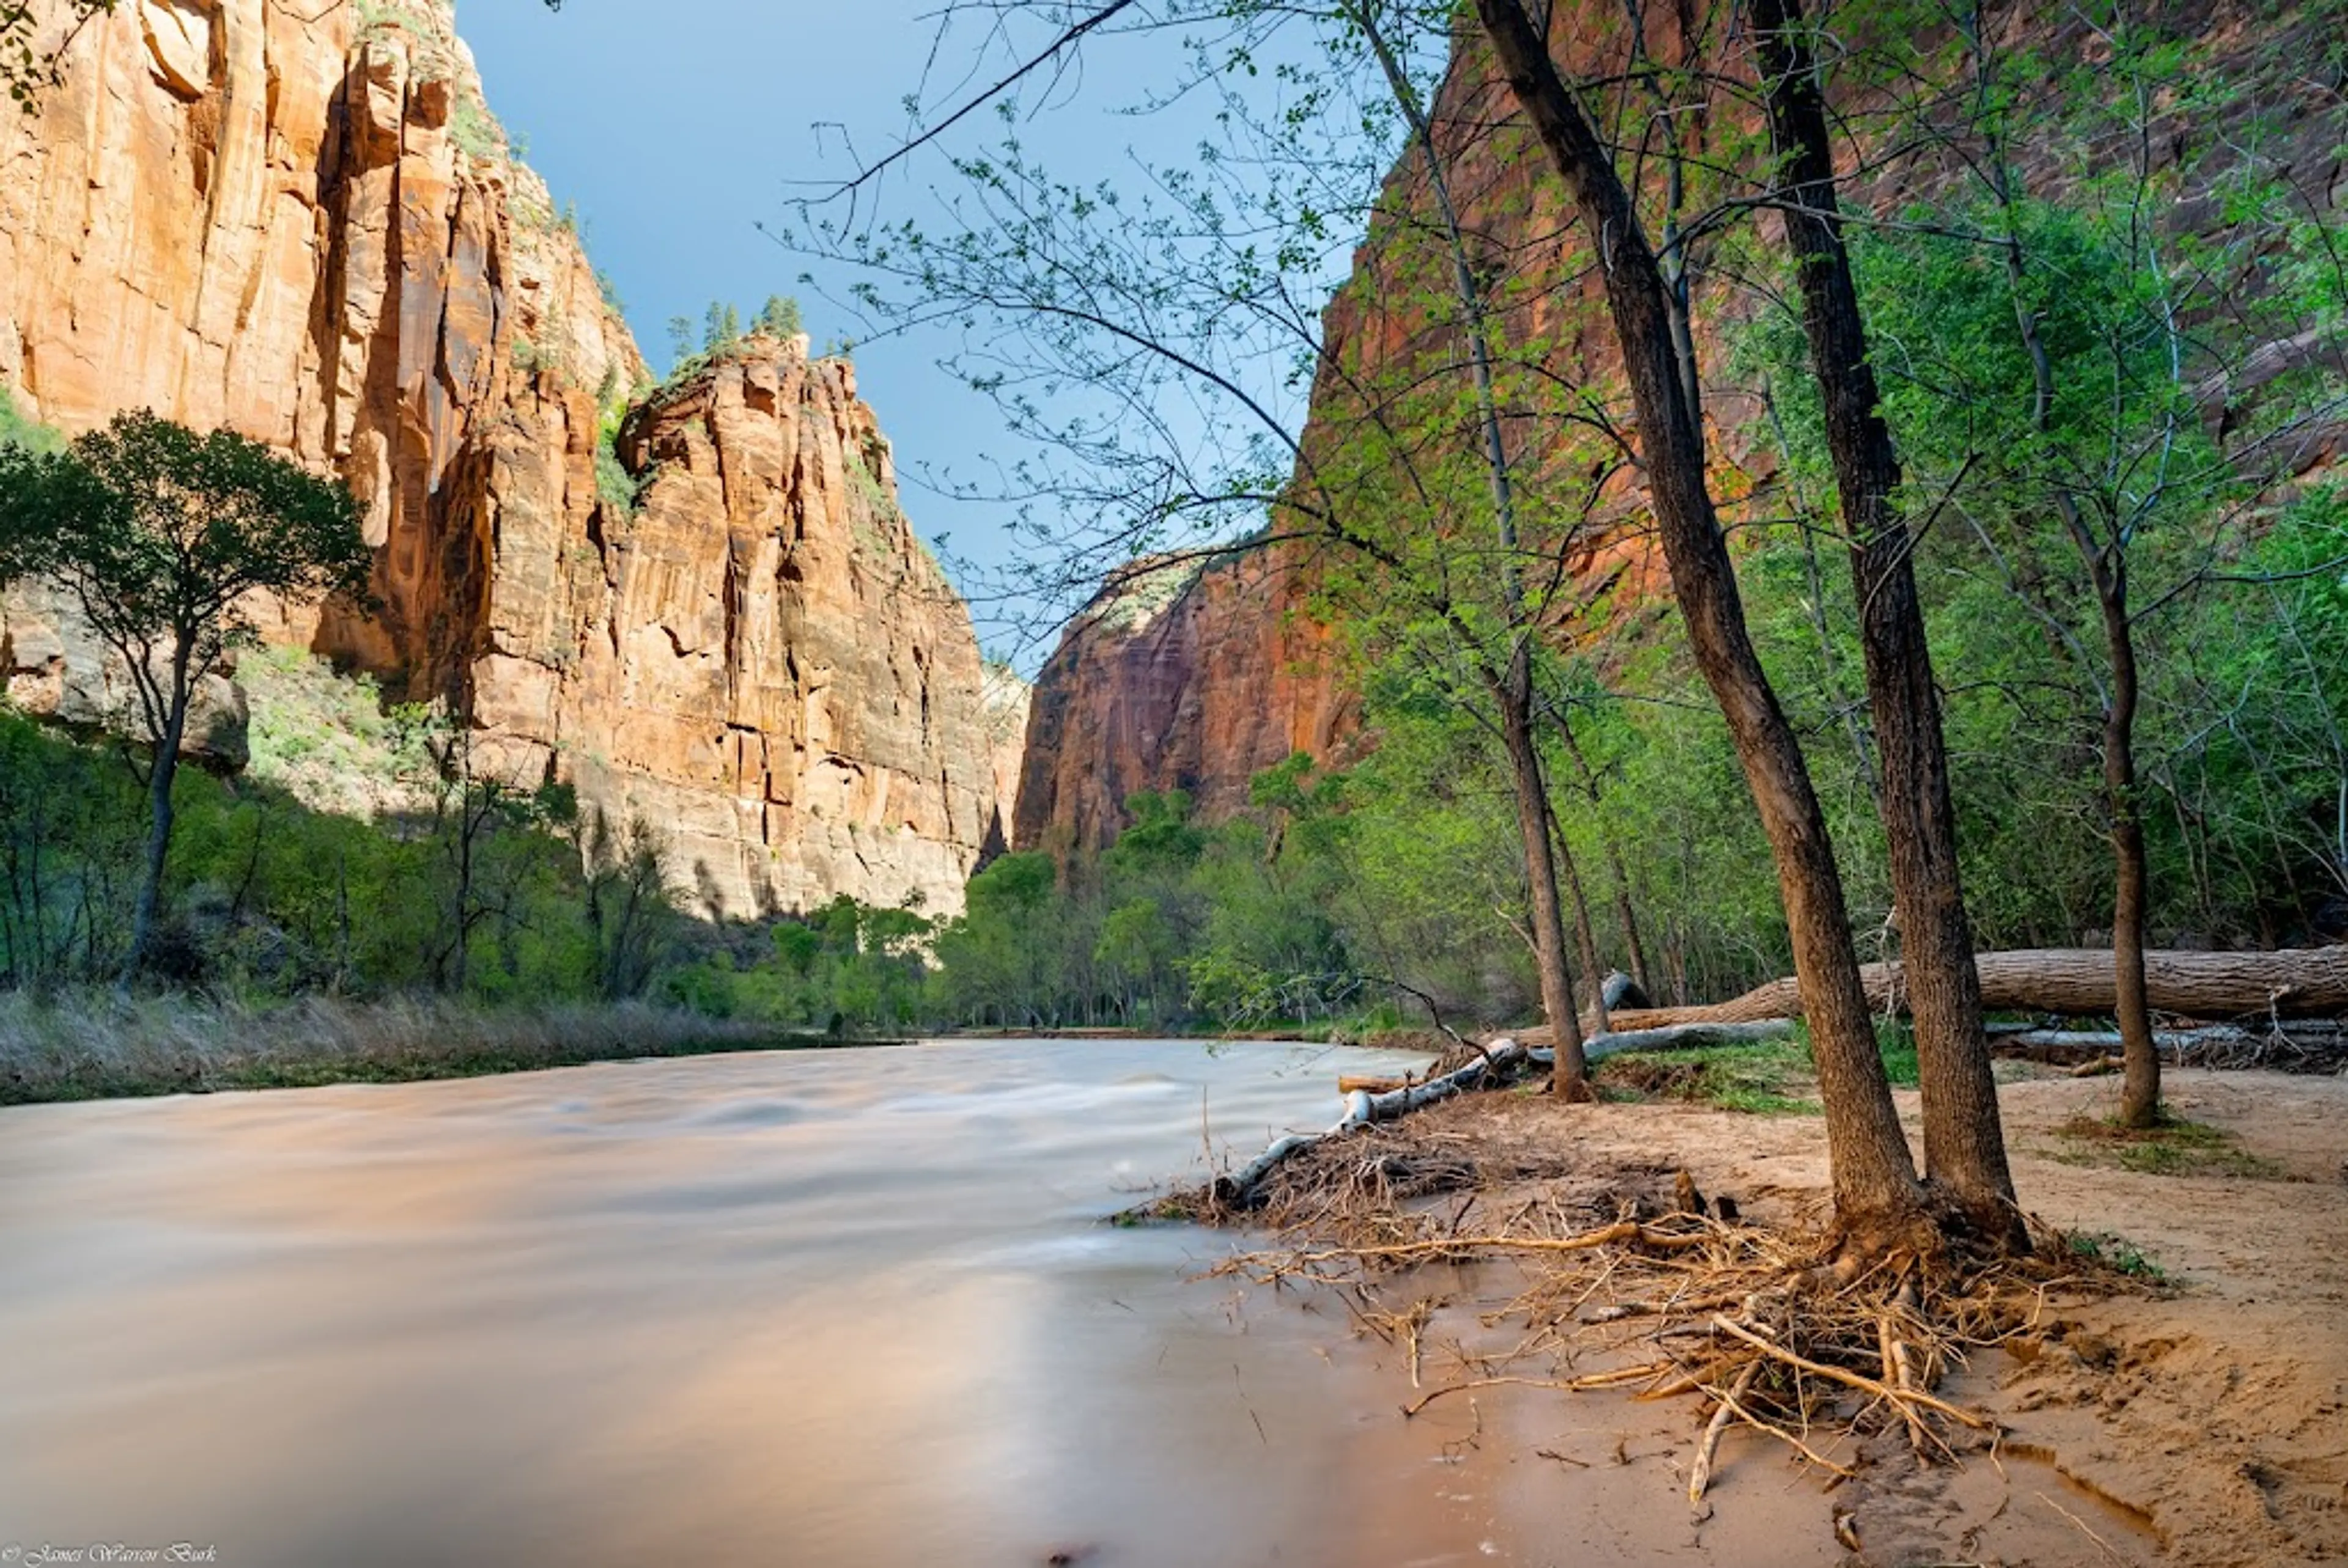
(1877, 1193)
(2140, 1089)
(161, 772)
(1569, 1075)
(1964, 1142)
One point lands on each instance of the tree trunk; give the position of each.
(1585, 935)
(2140, 1094)
(2107, 571)
(1629, 916)
(1623, 911)
(1570, 1075)
(1514, 689)
(161, 771)
(1876, 1190)
(1964, 1142)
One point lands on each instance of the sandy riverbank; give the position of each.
(2203, 1421)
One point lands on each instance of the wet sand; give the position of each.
(2202, 1423)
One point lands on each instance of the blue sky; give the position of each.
(676, 126)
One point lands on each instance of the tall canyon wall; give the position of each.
(1203, 681)
(309, 229)
(1177, 678)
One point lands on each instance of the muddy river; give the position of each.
(853, 1307)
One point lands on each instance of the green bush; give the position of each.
(16, 430)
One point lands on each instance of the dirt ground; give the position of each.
(2201, 1421)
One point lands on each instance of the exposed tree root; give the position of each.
(1808, 1338)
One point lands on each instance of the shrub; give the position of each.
(474, 130)
(16, 430)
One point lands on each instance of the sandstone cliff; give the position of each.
(1210, 682)
(1177, 679)
(304, 223)
(761, 659)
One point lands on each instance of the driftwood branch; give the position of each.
(1686, 1037)
(2293, 1047)
(1241, 1189)
(1369, 1099)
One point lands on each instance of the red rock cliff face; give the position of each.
(1177, 679)
(311, 232)
(1222, 675)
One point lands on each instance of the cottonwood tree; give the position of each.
(1964, 1140)
(1190, 318)
(1878, 1195)
(2095, 384)
(165, 537)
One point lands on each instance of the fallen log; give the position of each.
(2295, 1048)
(2304, 982)
(1598, 1046)
(1683, 1037)
(2048, 1044)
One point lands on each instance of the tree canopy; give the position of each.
(164, 537)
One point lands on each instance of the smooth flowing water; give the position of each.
(853, 1307)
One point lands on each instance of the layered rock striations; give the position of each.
(1209, 679)
(303, 224)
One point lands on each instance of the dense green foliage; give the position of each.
(268, 898)
(1395, 885)
(162, 533)
(164, 539)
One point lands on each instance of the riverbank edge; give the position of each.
(93, 1046)
(2103, 1394)
(90, 1047)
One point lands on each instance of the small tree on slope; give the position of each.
(163, 535)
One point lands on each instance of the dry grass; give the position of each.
(90, 1046)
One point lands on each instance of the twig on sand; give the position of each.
(1426, 1400)
(2101, 1543)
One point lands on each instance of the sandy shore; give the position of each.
(2202, 1422)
